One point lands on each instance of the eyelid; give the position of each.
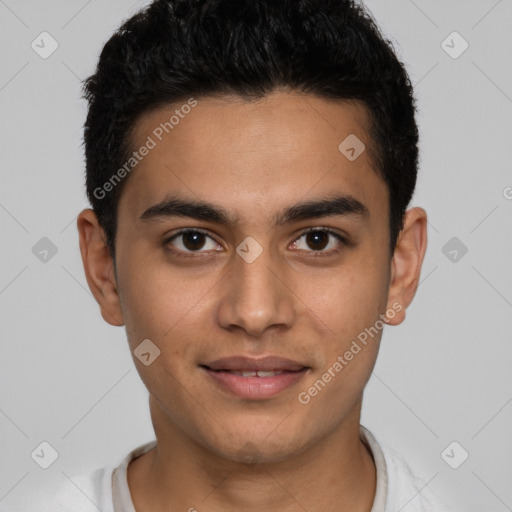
(188, 230)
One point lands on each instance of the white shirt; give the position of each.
(106, 489)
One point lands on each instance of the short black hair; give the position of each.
(173, 50)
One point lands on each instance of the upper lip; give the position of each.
(243, 363)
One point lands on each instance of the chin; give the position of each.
(251, 447)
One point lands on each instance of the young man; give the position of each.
(249, 165)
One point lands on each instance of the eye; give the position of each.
(192, 240)
(317, 240)
(320, 240)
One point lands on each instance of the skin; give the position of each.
(254, 159)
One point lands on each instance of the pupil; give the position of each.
(317, 239)
(193, 240)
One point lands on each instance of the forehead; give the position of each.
(253, 156)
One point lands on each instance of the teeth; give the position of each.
(258, 373)
(268, 374)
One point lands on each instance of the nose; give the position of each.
(256, 296)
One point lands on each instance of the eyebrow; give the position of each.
(326, 207)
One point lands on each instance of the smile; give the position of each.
(261, 373)
(254, 384)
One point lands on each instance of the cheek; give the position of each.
(157, 301)
(348, 299)
(168, 310)
(350, 308)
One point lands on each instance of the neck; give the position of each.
(336, 473)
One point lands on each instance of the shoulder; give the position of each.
(404, 490)
(407, 490)
(81, 493)
(85, 492)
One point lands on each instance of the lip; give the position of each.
(255, 388)
(243, 363)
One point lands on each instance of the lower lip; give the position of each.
(255, 388)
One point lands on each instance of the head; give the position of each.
(231, 119)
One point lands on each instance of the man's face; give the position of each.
(283, 293)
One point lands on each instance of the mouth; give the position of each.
(261, 373)
(255, 379)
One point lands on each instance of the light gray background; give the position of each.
(444, 375)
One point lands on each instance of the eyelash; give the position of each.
(315, 254)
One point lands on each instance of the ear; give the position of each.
(99, 267)
(406, 263)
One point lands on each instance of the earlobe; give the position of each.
(99, 267)
(406, 263)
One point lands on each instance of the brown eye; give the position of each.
(192, 240)
(320, 240)
(317, 240)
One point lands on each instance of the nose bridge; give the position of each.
(255, 296)
(256, 280)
